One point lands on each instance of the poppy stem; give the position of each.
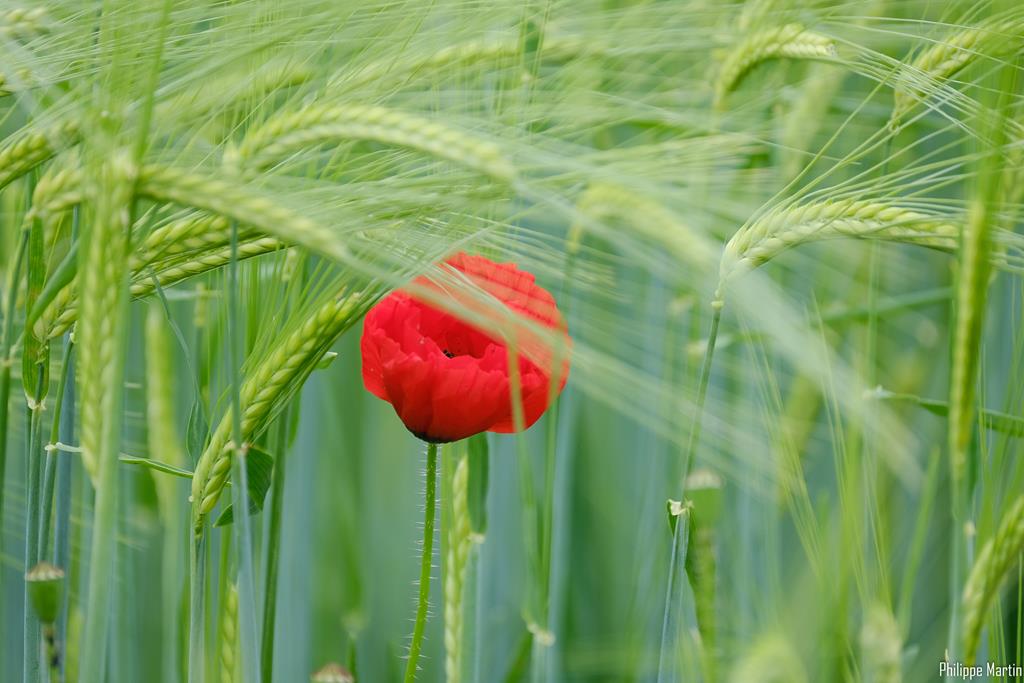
(425, 564)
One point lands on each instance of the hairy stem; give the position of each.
(425, 565)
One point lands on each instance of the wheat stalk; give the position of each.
(996, 37)
(459, 543)
(790, 41)
(994, 563)
(266, 388)
(317, 124)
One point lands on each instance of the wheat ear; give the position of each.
(102, 272)
(646, 216)
(229, 636)
(264, 391)
(232, 199)
(772, 658)
(31, 146)
(57, 190)
(161, 434)
(223, 94)
(196, 231)
(972, 288)
(994, 563)
(314, 125)
(779, 230)
(62, 312)
(790, 41)
(103, 278)
(459, 543)
(23, 22)
(996, 37)
(880, 646)
(485, 51)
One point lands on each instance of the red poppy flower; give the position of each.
(448, 379)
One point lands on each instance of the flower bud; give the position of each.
(45, 591)
(333, 673)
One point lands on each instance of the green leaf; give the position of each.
(35, 357)
(156, 465)
(675, 510)
(326, 361)
(991, 419)
(61, 277)
(479, 466)
(259, 470)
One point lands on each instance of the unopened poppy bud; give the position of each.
(333, 673)
(45, 590)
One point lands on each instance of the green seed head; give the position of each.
(333, 673)
(46, 590)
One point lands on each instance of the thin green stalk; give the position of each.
(101, 563)
(273, 549)
(7, 341)
(917, 543)
(52, 458)
(702, 389)
(62, 505)
(670, 628)
(32, 652)
(688, 458)
(425, 565)
(248, 638)
(967, 350)
(536, 605)
(957, 573)
(171, 592)
(197, 584)
(543, 665)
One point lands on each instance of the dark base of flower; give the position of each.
(430, 439)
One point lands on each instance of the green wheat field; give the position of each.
(786, 238)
